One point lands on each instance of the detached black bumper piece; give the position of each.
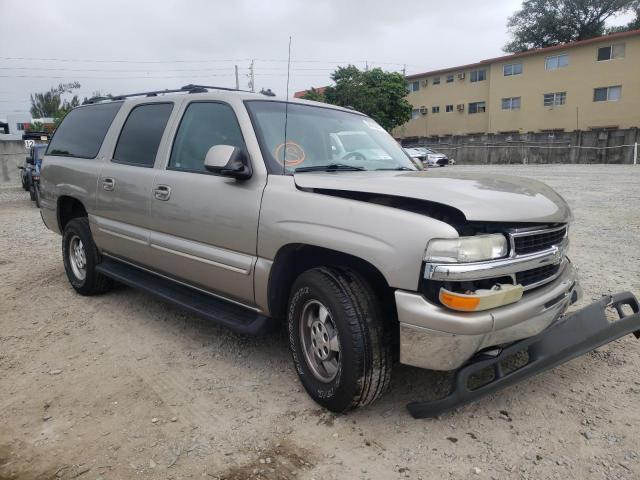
(578, 333)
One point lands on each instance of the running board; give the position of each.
(579, 333)
(235, 317)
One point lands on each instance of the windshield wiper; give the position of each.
(398, 168)
(331, 167)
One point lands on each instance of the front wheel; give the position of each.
(81, 258)
(340, 346)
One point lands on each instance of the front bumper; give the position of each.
(434, 337)
(577, 334)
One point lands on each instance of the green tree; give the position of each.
(314, 94)
(544, 23)
(36, 127)
(51, 103)
(379, 94)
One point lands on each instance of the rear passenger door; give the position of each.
(124, 184)
(204, 226)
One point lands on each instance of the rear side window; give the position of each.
(203, 125)
(82, 131)
(141, 134)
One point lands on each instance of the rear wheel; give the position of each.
(340, 346)
(80, 258)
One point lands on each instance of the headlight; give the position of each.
(466, 249)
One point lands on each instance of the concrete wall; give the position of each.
(613, 146)
(12, 154)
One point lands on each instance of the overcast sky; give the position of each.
(121, 46)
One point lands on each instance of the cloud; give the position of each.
(123, 46)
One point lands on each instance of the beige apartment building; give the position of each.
(590, 84)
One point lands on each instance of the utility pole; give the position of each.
(404, 70)
(366, 66)
(252, 79)
(237, 80)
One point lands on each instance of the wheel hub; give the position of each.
(320, 343)
(77, 257)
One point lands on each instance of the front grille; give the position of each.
(536, 242)
(535, 275)
(442, 161)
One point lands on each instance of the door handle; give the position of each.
(162, 192)
(108, 184)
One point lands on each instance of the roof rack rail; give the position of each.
(191, 88)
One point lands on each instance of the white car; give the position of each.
(433, 158)
(416, 153)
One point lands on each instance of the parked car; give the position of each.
(416, 153)
(202, 198)
(433, 158)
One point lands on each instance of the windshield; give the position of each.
(318, 136)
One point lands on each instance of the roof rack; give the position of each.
(154, 93)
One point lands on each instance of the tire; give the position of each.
(357, 346)
(80, 259)
(25, 186)
(36, 189)
(32, 192)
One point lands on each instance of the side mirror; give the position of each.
(228, 161)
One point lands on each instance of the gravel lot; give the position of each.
(124, 386)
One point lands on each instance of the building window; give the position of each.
(512, 69)
(436, 80)
(415, 113)
(556, 61)
(413, 86)
(478, 75)
(477, 107)
(553, 99)
(511, 103)
(435, 109)
(611, 52)
(607, 94)
(450, 78)
(20, 127)
(448, 108)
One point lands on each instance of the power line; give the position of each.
(226, 60)
(148, 77)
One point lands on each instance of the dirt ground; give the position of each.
(123, 386)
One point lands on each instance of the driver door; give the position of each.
(204, 226)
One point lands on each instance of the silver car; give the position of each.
(256, 212)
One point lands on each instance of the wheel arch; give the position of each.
(67, 209)
(293, 259)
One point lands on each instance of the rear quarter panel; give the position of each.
(74, 177)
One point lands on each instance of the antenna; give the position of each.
(252, 78)
(286, 112)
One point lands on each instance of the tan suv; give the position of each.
(254, 211)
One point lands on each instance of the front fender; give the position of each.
(390, 239)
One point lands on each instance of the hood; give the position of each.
(489, 198)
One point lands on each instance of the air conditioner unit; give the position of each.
(461, 76)
(424, 110)
(460, 107)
